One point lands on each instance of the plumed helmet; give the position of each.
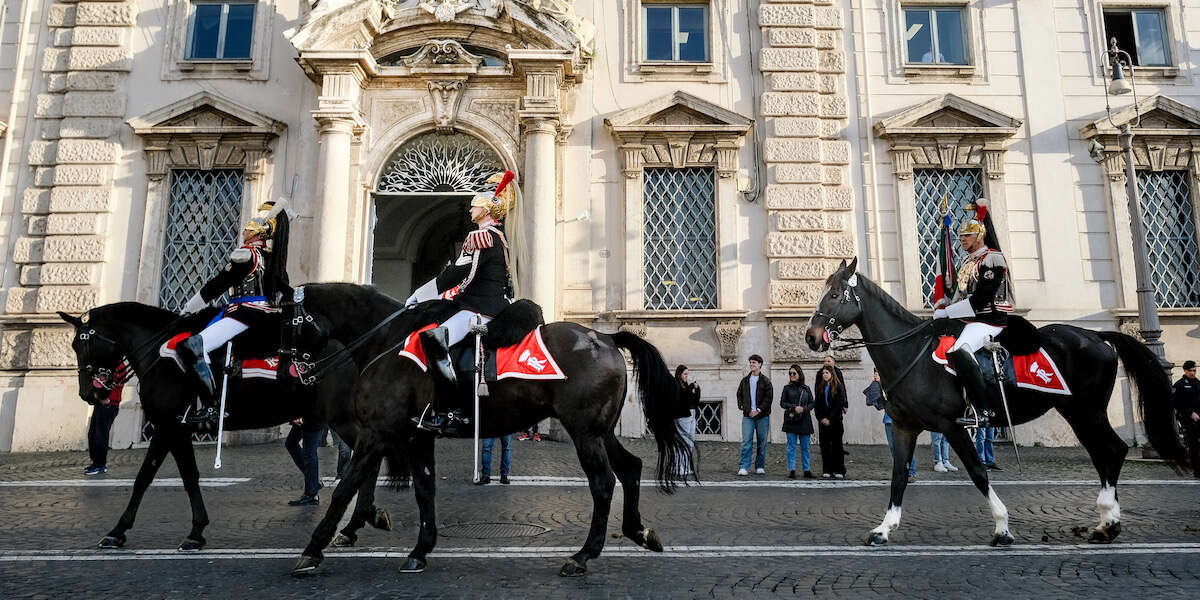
(499, 202)
(972, 227)
(264, 223)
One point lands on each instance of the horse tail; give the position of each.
(660, 402)
(1154, 397)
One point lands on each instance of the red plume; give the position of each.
(504, 181)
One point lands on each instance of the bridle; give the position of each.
(102, 378)
(833, 328)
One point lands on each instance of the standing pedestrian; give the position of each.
(941, 452)
(876, 397)
(829, 361)
(100, 425)
(301, 444)
(485, 457)
(985, 445)
(689, 407)
(344, 454)
(754, 395)
(797, 402)
(1187, 404)
(531, 434)
(830, 408)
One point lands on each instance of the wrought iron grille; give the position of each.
(680, 250)
(203, 214)
(708, 418)
(960, 187)
(1167, 213)
(435, 162)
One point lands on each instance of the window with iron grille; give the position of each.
(708, 418)
(1169, 219)
(959, 187)
(680, 239)
(203, 214)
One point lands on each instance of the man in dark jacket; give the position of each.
(1187, 404)
(754, 399)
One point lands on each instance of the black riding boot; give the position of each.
(191, 352)
(978, 392)
(445, 385)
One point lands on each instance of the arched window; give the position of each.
(435, 163)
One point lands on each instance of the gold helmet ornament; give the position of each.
(976, 225)
(973, 227)
(499, 202)
(263, 224)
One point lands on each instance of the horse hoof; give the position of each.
(413, 565)
(306, 565)
(572, 569)
(383, 520)
(110, 542)
(653, 543)
(1003, 538)
(342, 540)
(1105, 534)
(876, 539)
(191, 545)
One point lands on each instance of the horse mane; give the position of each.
(890, 304)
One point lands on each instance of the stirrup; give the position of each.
(206, 415)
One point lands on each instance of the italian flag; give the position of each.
(944, 284)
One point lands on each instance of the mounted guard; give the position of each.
(983, 299)
(479, 282)
(256, 279)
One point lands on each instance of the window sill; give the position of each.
(675, 71)
(939, 71)
(1167, 313)
(672, 315)
(678, 67)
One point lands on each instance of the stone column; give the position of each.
(540, 185)
(334, 189)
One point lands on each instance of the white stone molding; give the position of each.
(729, 333)
(446, 10)
(1167, 138)
(443, 57)
(203, 131)
(446, 94)
(176, 66)
(680, 130)
(944, 132)
(637, 69)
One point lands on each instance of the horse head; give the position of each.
(98, 355)
(838, 308)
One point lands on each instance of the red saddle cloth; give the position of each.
(252, 368)
(1035, 371)
(527, 360)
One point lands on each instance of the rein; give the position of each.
(311, 373)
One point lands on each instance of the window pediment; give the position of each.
(679, 130)
(948, 132)
(678, 109)
(1161, 115)
(947, 114)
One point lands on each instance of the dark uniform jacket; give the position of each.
(243, 278)
(985, 281)
(478, 280)
(1187, 398)
(797, 394)
(762, 396)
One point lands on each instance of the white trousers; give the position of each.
(458, 326)
(975, 336)
(219, 333)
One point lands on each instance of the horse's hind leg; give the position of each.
(594, 460)
(365, 510)
(961, 442)
(1107, 451)
(629, 471)
(312, 556)
(904, 443)
(185, 459)
(424, 480)
(160, 444)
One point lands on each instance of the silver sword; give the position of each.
(224, 392)
(1004, 401)
(478, 375)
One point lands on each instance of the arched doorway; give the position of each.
(421, 201)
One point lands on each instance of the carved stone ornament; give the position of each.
(446, 95)
(1131, 326)
(728, 335)
(446, 10)
(637, 328)
(440, 53)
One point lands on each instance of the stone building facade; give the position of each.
(691, 170)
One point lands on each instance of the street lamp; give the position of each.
(1120, 85)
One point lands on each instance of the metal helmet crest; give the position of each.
(264, 223)
(499, 202)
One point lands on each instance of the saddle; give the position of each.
(250, 361)
(1024, 362)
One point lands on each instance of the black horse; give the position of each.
(923, 396)
(392, 389)
(107, 335)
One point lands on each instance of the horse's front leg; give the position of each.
(312, 556)
(424, 478)
(904, 443)
(365, 510)
(185, 459)
(961, 442)
(159, 446)
(601, 481)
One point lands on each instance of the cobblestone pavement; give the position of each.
(732, 536)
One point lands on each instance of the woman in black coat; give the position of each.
(830, 406)
(688, 409)
(797, 404)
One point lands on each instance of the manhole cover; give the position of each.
(484, 531)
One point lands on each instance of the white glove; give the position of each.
(194, 305)
(939, 313)
(411, 302)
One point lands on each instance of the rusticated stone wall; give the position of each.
(808, 195)
(61, 248)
